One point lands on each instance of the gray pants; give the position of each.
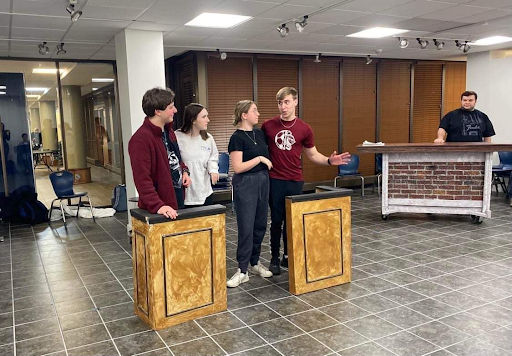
(251, 204)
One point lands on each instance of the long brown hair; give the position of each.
(189, 116)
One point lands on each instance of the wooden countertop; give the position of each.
(436, 147)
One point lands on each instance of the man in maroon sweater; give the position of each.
(158, 171)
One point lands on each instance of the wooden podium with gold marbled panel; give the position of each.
(319, 240)
(179, 266)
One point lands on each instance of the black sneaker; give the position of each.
(274, 266)
(284, 261)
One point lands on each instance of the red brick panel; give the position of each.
(436, 180)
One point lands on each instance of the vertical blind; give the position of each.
(454, 85)
(320, 104)
(428, 82)
(359, 109)
(395, 100)
(228, 82)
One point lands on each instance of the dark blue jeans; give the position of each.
(251, 204)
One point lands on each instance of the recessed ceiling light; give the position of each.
(33, 96)
(377, 32)
(3, 87)
(36, 89)
(102, 80)
(47, 71)
(3, 93)
(208, 19)
(94, 89)
(491, 41)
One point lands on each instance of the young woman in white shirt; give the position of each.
(199, 152)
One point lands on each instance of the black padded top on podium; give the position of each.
(332, 193)
(189, 213)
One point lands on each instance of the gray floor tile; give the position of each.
(375, 284)
(6, 336)
(238, 340)
(115, 312)
(240, 300)
(475, 347)
(404, 317)
(406, 344)
(256, 314)
(276, 330)
(127, 326)
(367, 349)
(439, 334)
(372, 327)
(501, 338)
(339, 337)
(287, 306)
(374, 303)
(40, 346)
(344, 311)
(349, 291)
(312, 320)
(302, 345)
(219, 323)
(181, 333)
(37, 329)
(201, 347)
(85, 336)
(261, 351)
(139, 343)
(493, 313)
(105, 348)
(79, 320)
(401, 296)
(320, 298)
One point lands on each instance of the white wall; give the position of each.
(489, 74)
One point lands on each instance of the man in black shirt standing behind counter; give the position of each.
(466, 124)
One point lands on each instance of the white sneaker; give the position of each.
(238, 278)
(261, 270)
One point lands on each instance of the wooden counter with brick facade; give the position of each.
(179, 266)
(449, 178)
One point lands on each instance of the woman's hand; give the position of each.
(266, 161)
(214, 177)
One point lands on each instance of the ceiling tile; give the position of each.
(429, 25)
(97, 36)
(108, 12)
(292, 46)
(72, 55)
(314, 38)
(417, 8)
(4, 31)
(337, 16)
(340, 30)
(288, 12)
(152, 26)
(455, 13)
(197, 31)
(256, 44)
(56, 23)
(37, 33)
(40, 7)
(179, 17)
(504, 22)
(497, 4)
(179, 40)
(376, 20)
(235, 32)
(138, 4)
(216, 42)
(97, 25)
(486, 16)
(245, 8)
(372, 5)
(321, 3)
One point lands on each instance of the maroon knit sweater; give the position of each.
(150, 167)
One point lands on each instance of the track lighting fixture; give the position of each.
(317, 58)
(43, 48)
(60, 49)
(368, 60)
(283, 30)
(403, 42)
(75, 15)
(439, 45)
(222, 55)
(423, 43)
(463, 47)
(299, 25)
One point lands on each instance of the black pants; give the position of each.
(251, 204)
(179, 197)
(279, 189)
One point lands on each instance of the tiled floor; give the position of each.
(422, 285)
(100, 189)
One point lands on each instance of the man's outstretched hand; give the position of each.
(338, 160)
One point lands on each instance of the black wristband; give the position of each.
(329, 161)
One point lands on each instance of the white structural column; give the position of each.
(140, 66)
(74, 126)
(35, 121)
(48, 124)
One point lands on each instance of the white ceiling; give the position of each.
(25, 23)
